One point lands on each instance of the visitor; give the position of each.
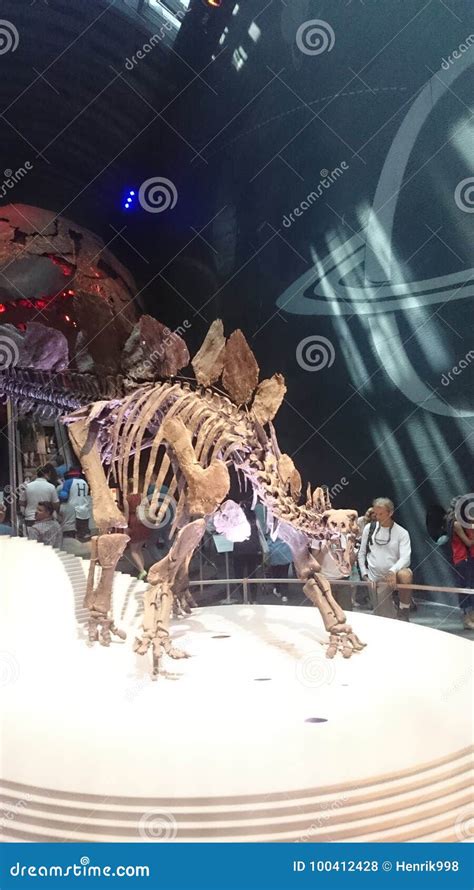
(247, 554)
(35, 492)
(75, 503)
(461, 537)
(385, 553)
(5, 527)
(45, 528)
(50, 474)
(279, 560)
(138, 532)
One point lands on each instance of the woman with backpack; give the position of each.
(461, 537)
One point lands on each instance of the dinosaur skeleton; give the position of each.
(187, 436)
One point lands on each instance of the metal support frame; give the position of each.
(63, 444)
(228, 599)
(244, 582)
(12, 463)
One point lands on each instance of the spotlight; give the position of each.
(214, 3)
(129, 199)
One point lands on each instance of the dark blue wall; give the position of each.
(379, 259)
(376, 268)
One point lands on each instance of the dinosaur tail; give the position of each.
(50, 394)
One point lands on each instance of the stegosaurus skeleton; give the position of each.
(193, 435)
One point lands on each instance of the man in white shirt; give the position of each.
(75, 504)
(385, 553)
(36, 492)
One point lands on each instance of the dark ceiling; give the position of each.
(92, 115)
(94, 119)
(245, 123)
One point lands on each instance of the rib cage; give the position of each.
(129, 427)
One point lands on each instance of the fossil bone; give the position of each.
(190, 437)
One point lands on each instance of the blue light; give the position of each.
(129, 199)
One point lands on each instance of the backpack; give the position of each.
(369, 545)
(370, 539)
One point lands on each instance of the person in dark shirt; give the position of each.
(5, 528)
(461, 537)
(247, 554)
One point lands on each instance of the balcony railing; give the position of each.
(379, 592)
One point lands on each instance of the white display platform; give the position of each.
(220, 747)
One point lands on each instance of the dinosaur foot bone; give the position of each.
(172, 651)
(100, 628)
(343, 639)
(141, 646)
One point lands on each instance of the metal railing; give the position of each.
(374, 587)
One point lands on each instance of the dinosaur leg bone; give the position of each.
(181, 590)
(318, 589)
(106, 513)
(159, 595)
(106, 552)
(342, 637)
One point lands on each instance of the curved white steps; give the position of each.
(270, 776)
(389, 809)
